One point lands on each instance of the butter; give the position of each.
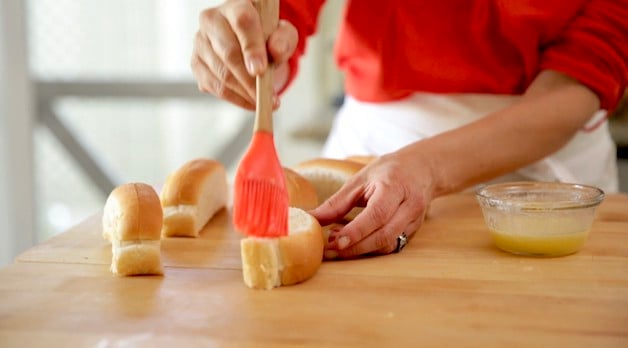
(544, 245)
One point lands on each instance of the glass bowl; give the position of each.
(544, 219)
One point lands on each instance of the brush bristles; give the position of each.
(260, 208)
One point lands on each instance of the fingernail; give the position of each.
(254, 66)
(343, 242)
(276, 101)
(331, 254)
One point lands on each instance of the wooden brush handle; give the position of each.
(269, 15)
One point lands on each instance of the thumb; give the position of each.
(339, 204)
(283, 42)
(280, 77)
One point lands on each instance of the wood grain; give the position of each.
(449, 287)
(341, 310)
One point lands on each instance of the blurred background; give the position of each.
(98, 93)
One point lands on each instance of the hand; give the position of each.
(395, 191)
(229, 51)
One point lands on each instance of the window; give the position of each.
(133, 138)
(116, 100)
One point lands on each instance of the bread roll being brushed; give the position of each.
(328, 175)
(192, 195)
(132, 220)
(273, 262)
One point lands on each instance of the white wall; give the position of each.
(16, 164)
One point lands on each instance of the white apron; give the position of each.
(362, 128)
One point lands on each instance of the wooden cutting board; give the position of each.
(454, 228)
(449, 287)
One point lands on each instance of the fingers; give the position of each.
(347, 243)
(208, 83)
(230, 50)
(281, 45)
(339, 204)
(283, 42)
(410, 231)
(247, 30)
(280, 77)
(220, 82)
(210, 61)
(381, 206)
(382, 241)
(224, 51)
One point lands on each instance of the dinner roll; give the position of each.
(328, 175)
(192, 195)
(273, 262)
(301, 192)
(132, 220)
(364, 159)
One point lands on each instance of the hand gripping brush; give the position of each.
(260, 201)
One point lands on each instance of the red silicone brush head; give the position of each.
(260, 200)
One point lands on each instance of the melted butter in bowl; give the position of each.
(545, 219)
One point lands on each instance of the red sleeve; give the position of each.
(593, 50)
(303, 14)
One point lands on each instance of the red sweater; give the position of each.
(390, 49)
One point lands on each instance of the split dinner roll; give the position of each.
(327, 175)
(192, 195)
(273, 262)
(364, 159)
(301, 192)
(132, 220)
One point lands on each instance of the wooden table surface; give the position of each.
(449, 287)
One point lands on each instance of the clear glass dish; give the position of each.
(544, 219)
